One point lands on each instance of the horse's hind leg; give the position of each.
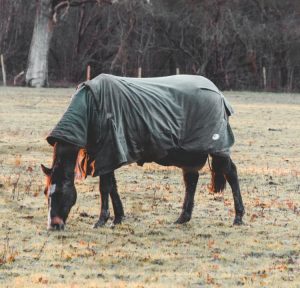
(116, 202)
(105, 188)
(225, 166)
(232, 178)
(190, 177)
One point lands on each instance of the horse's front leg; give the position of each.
(105, 187)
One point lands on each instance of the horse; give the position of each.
(113, 121)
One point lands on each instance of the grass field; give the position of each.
(147, 250)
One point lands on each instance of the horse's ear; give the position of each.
(47, 171)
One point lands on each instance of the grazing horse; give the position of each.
(113, 121)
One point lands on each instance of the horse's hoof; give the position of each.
(118, 220)
(183, 219)
(99, 223)
(238, 221)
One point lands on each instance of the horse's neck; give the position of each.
(66, 156)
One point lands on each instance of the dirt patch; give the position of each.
(147, 250)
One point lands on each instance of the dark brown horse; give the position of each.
(174, 147)
(61, 191)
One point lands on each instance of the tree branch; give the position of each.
(69, 3)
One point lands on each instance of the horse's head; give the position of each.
(60, 189)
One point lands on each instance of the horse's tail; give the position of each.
(218, 180)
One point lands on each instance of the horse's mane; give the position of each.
(84, 166)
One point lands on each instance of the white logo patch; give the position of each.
(215, 137)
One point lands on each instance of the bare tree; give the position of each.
(47, 13)
(37, 70)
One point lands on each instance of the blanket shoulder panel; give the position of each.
(73, 125)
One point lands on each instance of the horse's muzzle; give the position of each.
(56, 224)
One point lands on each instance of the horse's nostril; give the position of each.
(58, 227)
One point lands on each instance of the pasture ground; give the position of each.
(147, 250)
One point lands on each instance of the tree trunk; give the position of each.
(37, 67)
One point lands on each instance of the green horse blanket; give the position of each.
(121, 120)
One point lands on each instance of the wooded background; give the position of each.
(238, 44)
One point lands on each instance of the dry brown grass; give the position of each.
(148, 250)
